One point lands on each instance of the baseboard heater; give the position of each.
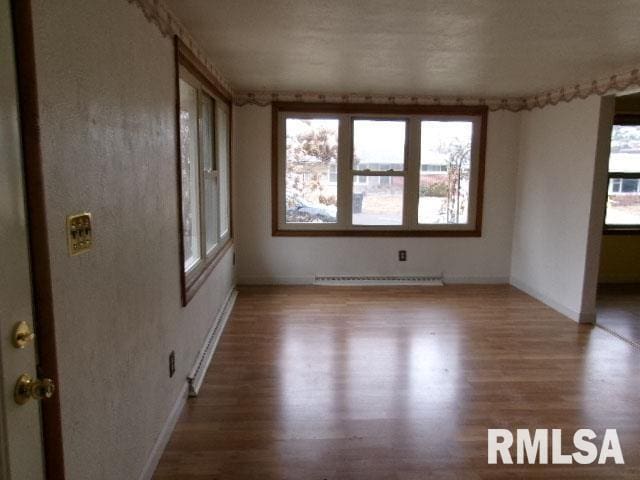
(344, 280)
(203, 360)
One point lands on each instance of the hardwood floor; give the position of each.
(401, 383)
(619, 309)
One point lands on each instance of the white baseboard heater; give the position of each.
(203, 359)
(363, 280)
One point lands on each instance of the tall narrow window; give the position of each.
(379, 151)
(204, 168)
(223, 136)
(189, 173)
(209, 171)
(378, 170)
(445, 172)
(311, 151)
(623, 199)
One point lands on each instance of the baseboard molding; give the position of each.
(249, 280)
(165, 435)
(171, 421)
(309, 280)
(203, 360)
(476, 280)
(580, 317)
(375, 280)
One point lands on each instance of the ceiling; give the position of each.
(414, 47)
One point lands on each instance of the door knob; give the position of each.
(28, 388)
(22, 335)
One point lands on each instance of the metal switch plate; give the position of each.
(79, 236)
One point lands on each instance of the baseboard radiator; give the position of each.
(363, 280)
(203, 360)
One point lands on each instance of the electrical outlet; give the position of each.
(402, 255)
(172, 363)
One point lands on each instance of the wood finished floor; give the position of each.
(619, 309)
(400, 383)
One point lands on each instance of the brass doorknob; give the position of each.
(22, 335)
(28, 388)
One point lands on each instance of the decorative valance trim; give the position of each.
(613, 83)
(157, 12)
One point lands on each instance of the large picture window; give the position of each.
(378, 170)
(623, 199)
(204, 169)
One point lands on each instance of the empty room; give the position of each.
(319, 240)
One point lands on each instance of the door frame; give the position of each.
(37, 229)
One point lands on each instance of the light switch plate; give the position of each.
(79, 236)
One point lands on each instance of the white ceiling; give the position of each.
(414, 47)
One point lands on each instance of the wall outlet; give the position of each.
(402, 255)
(172, 363)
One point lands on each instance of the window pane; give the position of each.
(222, 128)
(623, 204)
(625, 149)
(379, 145)
(312, 149)
(189, 174)
(377, 200)
(445, 159)
(209, 173)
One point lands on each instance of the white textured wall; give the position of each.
(265, 259)
(106, 87)
(555, 191)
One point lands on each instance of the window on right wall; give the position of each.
(623, 192)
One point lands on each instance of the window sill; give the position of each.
(193, 283)
(376, 233)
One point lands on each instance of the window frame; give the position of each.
(620, 229)
(348, 113)
(190, 69)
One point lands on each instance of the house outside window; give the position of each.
(623, 199)
(204, 126)
(366, 170)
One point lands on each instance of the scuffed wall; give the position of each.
(106, 86)
(263, 258)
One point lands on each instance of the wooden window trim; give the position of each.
(190, 282)
(329, 109)
(613, 230)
